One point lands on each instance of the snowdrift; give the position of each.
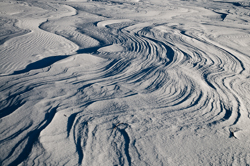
(124, 82)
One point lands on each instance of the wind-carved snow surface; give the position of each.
(147, 82)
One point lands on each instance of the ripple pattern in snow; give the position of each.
(150, 84)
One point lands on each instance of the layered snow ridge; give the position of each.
(124, 82)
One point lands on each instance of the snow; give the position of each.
(124, 82)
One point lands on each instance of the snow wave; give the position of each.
(134, 93)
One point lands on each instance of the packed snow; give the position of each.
(124, 82)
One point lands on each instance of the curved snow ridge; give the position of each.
(149, 74)
(170, 74)
(223, 65)
(102, 24)
(82, 40)
(111, 48)
(135, 93)
(186, 95)
(229, 63)
(9, 29)
(65, 11)
(20, 51)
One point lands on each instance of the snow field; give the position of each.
(150, 83)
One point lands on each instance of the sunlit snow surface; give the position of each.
(124, 82)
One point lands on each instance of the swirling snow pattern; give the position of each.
(153, 83)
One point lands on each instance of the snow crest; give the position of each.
(124, 83)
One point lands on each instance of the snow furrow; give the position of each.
(150, 83)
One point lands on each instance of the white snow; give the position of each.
(124, 82)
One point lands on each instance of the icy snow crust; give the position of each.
(149, 82)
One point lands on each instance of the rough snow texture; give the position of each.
(149, 82)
